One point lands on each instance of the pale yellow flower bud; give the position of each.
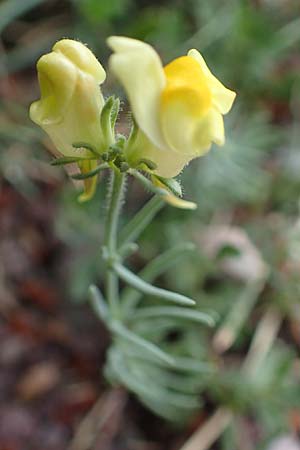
(179, 109)
(71, 101)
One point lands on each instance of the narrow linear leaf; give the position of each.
(140, 383)
(187, 364)
(141, 285)
(83, 176)
(140, 221)
(174, 399)
(176, 312)
(98, 303)
(124, 333)
(138, 354)
(163, 326)
(155, 268)
(181, 382)
(167, 411)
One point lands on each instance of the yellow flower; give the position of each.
(71, 101)
(179, 108)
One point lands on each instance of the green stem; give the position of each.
(111, 228)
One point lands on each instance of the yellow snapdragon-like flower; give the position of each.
(71, 102)
(179, 108)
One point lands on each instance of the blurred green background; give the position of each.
(246, 228)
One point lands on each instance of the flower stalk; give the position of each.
(110, 241)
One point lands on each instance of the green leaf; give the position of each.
(186, 364)
(166, 260)
(140, 221)
(141, 285)
(147, 346)
(98, 303)
(155, 268)
(173, 311)
(139, 382)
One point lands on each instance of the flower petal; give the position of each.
(82, 57)
(187, 134)
(57, 79)
(222, 97)
(71, 99)
(90, 184)
(169, 164)
(210, 129)
(139, 69)
(179, 123)
(179, 202)
(185, 75)
(81, 121)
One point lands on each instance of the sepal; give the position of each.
(171, 184)
(66, 160)
(90, 183)
(86, 146)
(172, 199)
(108, 118)
(85, 175)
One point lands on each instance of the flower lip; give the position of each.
(187, 83)
(222, 97)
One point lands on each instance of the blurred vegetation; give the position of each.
(252, 184)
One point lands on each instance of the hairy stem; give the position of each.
(111, 228)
